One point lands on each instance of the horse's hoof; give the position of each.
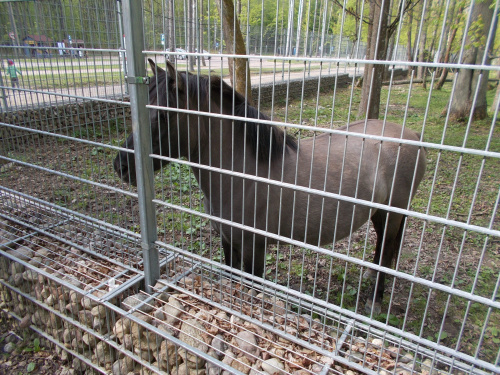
(370, 274)
(374, 308)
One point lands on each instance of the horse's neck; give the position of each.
(224, 145)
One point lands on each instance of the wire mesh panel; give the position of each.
(308, 210)
(64, 114)
(326, 190)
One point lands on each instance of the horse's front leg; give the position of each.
(254, 248)
(232, 255)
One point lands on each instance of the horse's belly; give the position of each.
(323, 222)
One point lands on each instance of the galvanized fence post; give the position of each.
(138, 88)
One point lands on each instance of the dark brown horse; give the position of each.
(318, 173)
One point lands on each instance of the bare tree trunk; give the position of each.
(450, 24)
(444, 72)
(190, 34)
(422, 53)
(461, 105)
(435, 33)
(409, 51)
(62, 24)
(239, 68)
(496, 101)
(200, 28)
(171, 29)
(373, 74)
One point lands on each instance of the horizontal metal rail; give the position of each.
(71, 177)
(70, 96)
(322, 193)
(65, 137)
(68, 214)
(346, 133)
(329, 59)
(337, 313)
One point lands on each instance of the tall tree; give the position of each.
(477, 47)
(422, 52)
(409, 51)
(451, 31)
(190, 33)
(170, 40)
(239, 68)
(373, 74)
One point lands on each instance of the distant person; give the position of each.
(12, 71)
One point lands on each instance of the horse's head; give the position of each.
(167, 89)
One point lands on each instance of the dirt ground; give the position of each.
(23, 351)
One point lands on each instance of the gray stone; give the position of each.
(123, 366)
(242, 364)
(132, 301)
(71, 280)
(273, 365)
(247, 343)
(30, 275)
(173, 310)
(36, 261)
(99, 311)
(407, 358)
(79, 366)
(355, 357)
(22, 253)
(191, 334)
(219, 345)
(9, 347)
(16, 268)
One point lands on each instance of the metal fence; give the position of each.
(251, 248)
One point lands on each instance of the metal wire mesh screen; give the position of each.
(326, 190)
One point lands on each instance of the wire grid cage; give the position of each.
(68, 216)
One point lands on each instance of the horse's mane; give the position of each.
(266, 140)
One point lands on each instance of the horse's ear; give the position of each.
(156, 69)
(175, 76)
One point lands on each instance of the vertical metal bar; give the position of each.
(120, 30)
(134, 44)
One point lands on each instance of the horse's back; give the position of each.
(400, 165)
(373, 170)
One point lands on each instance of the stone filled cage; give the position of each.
(132, 279)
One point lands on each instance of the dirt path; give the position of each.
(29, 97)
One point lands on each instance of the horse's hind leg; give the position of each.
(389, 230)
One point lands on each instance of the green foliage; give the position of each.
(34, 347)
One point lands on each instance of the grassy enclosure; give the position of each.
(457, 186)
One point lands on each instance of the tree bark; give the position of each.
(171, 30)
(409, 51)
(190, 34)
(444, 72)
(239, 68)
(200, 28)
(462, 104)
(496, 102)
(422, 52)
(369, 106)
